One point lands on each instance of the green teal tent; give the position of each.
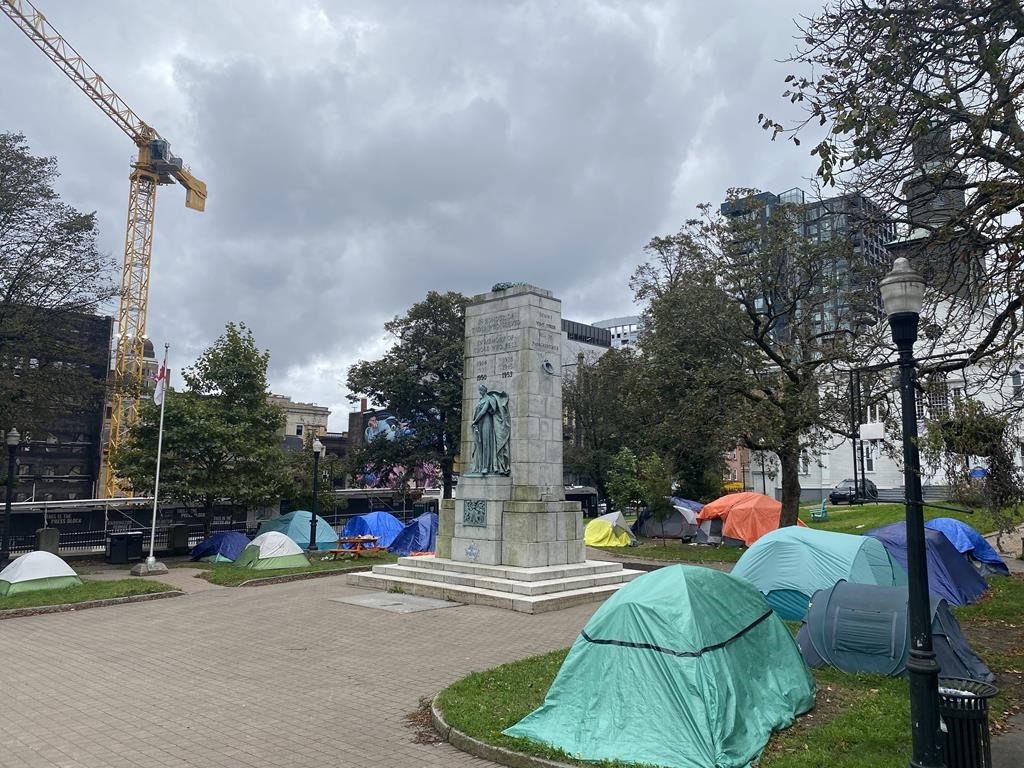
(295, 525)
(271, 550)
(685, 667)
(790, 564)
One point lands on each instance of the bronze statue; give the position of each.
(491, 432)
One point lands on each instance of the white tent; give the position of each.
(35, 571)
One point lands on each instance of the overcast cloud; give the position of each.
(359, 154)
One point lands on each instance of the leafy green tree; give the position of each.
(419, 381)
(50, 271)
(221, 436)
(602, 410)
(914, 102)
(656, 480)
(625, 488)
(971, 434)
(748, 321)
(300, 467)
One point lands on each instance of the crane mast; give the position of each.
(155, 165)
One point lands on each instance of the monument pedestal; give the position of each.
(509, 538)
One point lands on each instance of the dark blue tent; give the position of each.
(950, 576)
(418, 536)
(970, 543)
(383, 525)
(220, 547)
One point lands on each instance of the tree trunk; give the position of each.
(790, 460)
(446, 478)
(208, 516)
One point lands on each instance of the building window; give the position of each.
(1018, 384)
(298, 430)
(938, 399)
(875, 413)
(868, 450)
(805, 463)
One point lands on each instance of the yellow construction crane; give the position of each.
(155, 165)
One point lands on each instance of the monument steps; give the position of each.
(515, 586)
(472, 595)
(539, 573)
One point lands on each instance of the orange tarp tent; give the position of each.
(745, 516)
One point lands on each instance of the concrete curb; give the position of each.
(16, 613)
(477, 748)
(296, 577)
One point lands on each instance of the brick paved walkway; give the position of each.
(267, 676)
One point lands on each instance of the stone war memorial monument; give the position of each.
(509, 538)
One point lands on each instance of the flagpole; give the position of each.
(152, 566)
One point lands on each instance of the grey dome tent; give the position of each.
(863, 628)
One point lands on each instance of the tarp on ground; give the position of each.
(950, 576)
(864, 628)
(673, 670)
(220, 547)
(745, 516)
(419, 535)
(608, 531)
(971, 543)
(295, 525)
(270, 551)
(34, 571)
(790, 564)
(681, 523)
(383, 525)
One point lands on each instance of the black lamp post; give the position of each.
(903, 295)
(317, 448)
(5, 545)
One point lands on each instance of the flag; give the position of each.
(161, 382)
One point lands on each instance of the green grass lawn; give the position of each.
(227, 575)
(87, 590)
(676, 551)
(860, 518)
(859, 721)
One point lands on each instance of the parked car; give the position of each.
(853, 493)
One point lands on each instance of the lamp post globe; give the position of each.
(903, 296)
(13, 438)
(318, 447)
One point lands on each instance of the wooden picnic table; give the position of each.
(355, 546)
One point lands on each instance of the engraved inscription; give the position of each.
(499, 321)
(494, 343)
(474, 513)
(545, 341)
(546, 321)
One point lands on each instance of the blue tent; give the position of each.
(971, 543)
(295, 525)
(220, 547)
(949, 574)
(418, 536)
(383, 525)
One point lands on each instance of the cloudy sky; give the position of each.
(362, 152)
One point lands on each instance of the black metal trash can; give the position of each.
(124, 547)
(963, 707)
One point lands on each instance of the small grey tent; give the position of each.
(863, 628)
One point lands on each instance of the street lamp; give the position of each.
(5, 545)
(903, 295)
(317, 448)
